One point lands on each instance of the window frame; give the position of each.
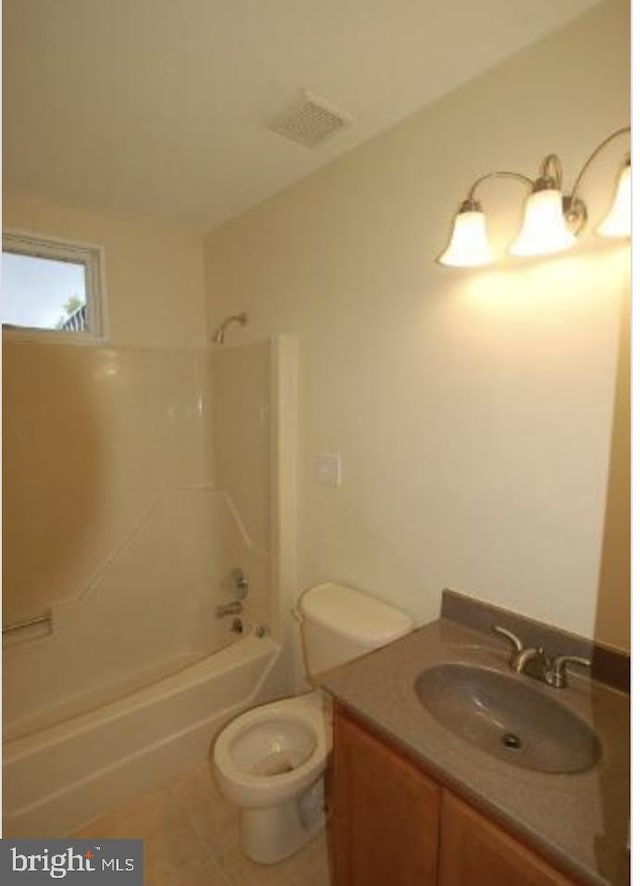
(87, 254)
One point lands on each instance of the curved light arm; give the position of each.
(551, 173)
(498, 174)
(592, 156)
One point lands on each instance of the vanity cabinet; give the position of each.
(384, 813)
(392, 823)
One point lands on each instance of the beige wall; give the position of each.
(154, 274)
(613, 615)
(473, 410)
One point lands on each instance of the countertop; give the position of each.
(579, 821)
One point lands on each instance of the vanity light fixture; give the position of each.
(551, 221)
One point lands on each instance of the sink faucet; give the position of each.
(557, 673)
(530, 660)
(534, 662)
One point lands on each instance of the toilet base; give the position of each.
(273, 833)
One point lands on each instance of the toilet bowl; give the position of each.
(270, 760)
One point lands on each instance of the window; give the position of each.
(51, 288)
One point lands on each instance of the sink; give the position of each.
(505, 717)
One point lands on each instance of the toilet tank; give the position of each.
(340, 623)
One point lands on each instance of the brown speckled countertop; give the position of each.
(579, 821)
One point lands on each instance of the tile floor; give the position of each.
(190, 835)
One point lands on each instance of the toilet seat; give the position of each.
(269, 753)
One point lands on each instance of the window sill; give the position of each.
(51, 337)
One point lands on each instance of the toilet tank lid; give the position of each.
(352, 614)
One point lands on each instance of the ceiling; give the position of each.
(160, 108)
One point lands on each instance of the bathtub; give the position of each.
(58, 778)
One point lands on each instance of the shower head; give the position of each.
(218, 336)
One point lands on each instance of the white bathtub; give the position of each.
(58, 778)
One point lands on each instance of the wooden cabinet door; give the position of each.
(385, 813)
(476, 852)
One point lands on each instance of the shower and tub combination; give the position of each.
(144, 600)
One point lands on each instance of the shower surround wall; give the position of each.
(94, 438)
(135, 480)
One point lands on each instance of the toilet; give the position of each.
(270, 760)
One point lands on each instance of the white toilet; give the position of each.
(270, 760)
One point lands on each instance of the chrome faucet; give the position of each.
(534, 662)
(557, 674)
(530, 660)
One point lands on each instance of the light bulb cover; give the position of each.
(617, 222)
(544, 229)
(469, 245)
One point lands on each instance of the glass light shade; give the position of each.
(617, 223)
(543, 229)
(469, 246)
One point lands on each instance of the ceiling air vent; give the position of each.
(311, 122)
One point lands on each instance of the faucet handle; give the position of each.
(237, 583)
(557, 673)
(515, 641)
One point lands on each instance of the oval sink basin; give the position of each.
(505, 717)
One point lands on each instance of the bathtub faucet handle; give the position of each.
(237, 583)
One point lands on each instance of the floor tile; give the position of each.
(308, 867)
(191, 838)
(211, 875)
(212, 817)
(172, 849)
